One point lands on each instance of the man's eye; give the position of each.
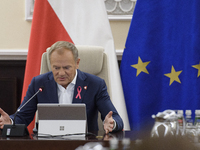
(66, 68)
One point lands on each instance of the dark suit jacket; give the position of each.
(94, 94)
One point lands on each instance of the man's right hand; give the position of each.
(4, 119)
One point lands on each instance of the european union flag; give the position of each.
(160, 66)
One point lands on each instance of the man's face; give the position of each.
(63, 66)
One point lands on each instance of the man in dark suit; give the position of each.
(66, 84)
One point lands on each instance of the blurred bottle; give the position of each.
(190, 129)
(181, 122)
(197, 124)
(126, 143)
(180, 118)
(188, 119)
(113, 144)
(197, 118)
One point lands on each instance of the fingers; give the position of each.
(2, 112)
(109, 114)
(1, 120)
(108, 123)
(1, 123)
(4, 118)
(1, 126)
(108, 129)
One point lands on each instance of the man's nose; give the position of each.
(61, 71)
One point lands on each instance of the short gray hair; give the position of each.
(67, 45)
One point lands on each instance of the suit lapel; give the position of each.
(80, 87)
(51, 89)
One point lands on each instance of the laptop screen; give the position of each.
(61, 119)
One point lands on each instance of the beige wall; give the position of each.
(120, 31)
(15, 30)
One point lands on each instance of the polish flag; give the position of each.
(80, 22)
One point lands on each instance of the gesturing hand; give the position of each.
(4, 119)
(109, 122)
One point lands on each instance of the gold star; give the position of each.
(197, 67)
(141, 67)
(173, 75)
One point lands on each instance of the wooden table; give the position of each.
(36, 143)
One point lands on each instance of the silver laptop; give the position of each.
(62, 119)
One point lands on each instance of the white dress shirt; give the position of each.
(65, 96)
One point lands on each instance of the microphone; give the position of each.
(18, 129)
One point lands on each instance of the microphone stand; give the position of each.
(10, 130)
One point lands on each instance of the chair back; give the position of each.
(93, 60)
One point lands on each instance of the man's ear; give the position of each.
(77, 63)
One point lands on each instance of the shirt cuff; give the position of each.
(11, 121)
(115, 124)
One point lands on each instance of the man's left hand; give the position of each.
(108, 123)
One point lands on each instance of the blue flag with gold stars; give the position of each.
(160, 67)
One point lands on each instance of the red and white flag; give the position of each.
(82, 23)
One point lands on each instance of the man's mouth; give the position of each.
(61, 78)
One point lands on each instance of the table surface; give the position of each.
(50, 143)
(68, 143)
